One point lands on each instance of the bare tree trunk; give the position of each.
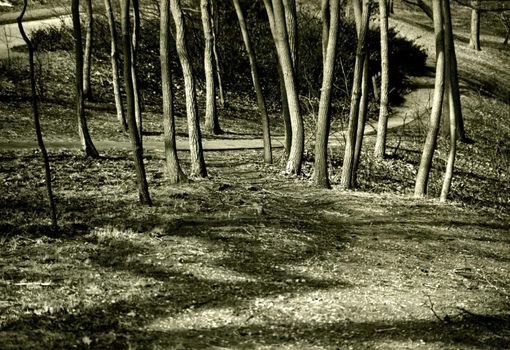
(136, 37)
(284, 56)
(83, 130)
(173, 169)
(114, 57)
(422, 177)
(261, 102)
(321, 177)
(474, 39)
(289, 7)
(37, 123)
(87, 62)
(450, 71)
(326, 18)
(143, 188)
(362, 117)
(350, 144)
(214, 24)
(198, 168)
(211, 116)
(382, 125)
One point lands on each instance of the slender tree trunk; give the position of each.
(362, 117)
(198, 168)
(37, 123)
(382, 125)
(83, 130)
(211, 116)
(173, 169)
(422, 177)
(474, 39)
(325, 16)
(114, 57)
(450, 71)
(143, 188)
(214, 24)
(289, 7)
(321, 177)
(350, 144)
(284, 56)
(261, 102)
(87, 55)
(135, 46)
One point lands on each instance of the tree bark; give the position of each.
(362, 117)
(474, 39)
(261, 102)
(87, 62)
(321, 177)
(289, 7)
(114, 57)
(135, 46)
(143, 188)
(219, 74)
(294, 161)
(350, 144)
(382, 125)
(37, 123)
(198, 168)
(420, 189)
(211, 116)
(83, 130)
(325, 17)
(173, 169)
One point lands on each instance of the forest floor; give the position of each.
(250, 258)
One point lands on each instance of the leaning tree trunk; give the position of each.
(173, 169)
(422, 177)
(362, 117)
(325, 17)
(289, 7)
(320, 176)
(294, 161)
(474, 38)
(37, 123)
(198, 168)
(215, 24)
(114, 57)
(450, 71)
(350, 144)
(211, 116)
(83, 130)
(136, 37)
(261, 102)
(87, 55)
(143, 188)
(382, 125)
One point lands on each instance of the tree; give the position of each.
(87, 62)
(143, 188)
(350, 144)
(215, 24)
(429, 147)
(37, 123)
(86, 142)
(173, 169)
(321, 177)
(276, 14)
(211, 117)
(362, 117)
(135, 46)
(474, 37)
(261, 102)
(382, 125)
(198, 168)
(114, 57)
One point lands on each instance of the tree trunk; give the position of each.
(83, 130)
(214, 24)
(87, 62)
(325, 17)
(37, 123)
(211, 117)
(289, 7)
(173, 169)
(422, 177)
(362, 117)
(320, 176)
(136, 37)
(382, 125)
(143, 189)
(261, 102)
(350, 144)
(294, 161)
(474, 39)
(450, 71)
(114, 57)
(198, 168)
